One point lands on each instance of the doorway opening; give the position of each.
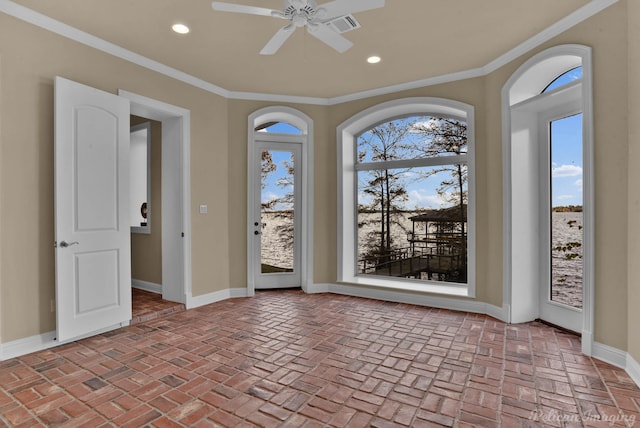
(145, 195)
(280, 199)
(162, 279)
(548, 191)
(93, 258)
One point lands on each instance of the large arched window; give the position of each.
(407, 197)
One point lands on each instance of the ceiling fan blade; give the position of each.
(278, 40)
(239, 8)
(338, 8)
(330, 37)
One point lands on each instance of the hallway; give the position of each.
(147, 306)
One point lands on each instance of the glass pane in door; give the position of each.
(277, 212)
(566, 211)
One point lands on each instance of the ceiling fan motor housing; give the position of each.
(299, 11)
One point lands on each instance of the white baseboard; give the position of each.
(618, 358)
(147, 286)
(609, 354)
(318, 288)
(500, 313)
(633, 369)
(464, 305)
(217, 296)
(19, 347)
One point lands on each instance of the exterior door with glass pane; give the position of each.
(562, 219)
(276, 210)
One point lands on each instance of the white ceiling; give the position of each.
(417, 40)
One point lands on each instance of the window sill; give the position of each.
(449, 289)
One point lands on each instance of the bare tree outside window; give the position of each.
(412, 212)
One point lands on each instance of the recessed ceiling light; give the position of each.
(374, 59)
(180, 28)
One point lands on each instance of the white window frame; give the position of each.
(347, 134)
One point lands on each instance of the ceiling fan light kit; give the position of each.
(325, 22)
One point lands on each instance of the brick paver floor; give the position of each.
(283, 358)
(148, 306)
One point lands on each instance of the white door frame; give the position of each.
(290, 144)
(305, 124)
(564, 102)
(519, 290)
(176, 193)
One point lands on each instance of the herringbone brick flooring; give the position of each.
(148, 306)
(283, 358)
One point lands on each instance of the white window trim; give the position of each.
(347, 133)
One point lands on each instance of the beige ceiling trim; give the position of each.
(28, 15)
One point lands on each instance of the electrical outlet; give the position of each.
(204, 209)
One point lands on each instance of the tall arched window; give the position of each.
(407, 197)
(548, 190)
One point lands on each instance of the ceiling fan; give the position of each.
(307, 13)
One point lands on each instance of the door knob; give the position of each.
(65, 244)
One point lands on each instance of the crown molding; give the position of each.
(569, 21)
(35, 18)
(256, 96)
(431, 81)
(28, 15)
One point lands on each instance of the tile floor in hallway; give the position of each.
(283, 358)
(147, 306)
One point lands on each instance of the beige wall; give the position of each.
(606, 34)
(608, 38)
(324, 191)
(218, 170)
(146, 249)
(633, 267)
(26, 169)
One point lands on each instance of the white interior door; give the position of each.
(276, 217)
(93, 254)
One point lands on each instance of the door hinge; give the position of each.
(182, 234)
